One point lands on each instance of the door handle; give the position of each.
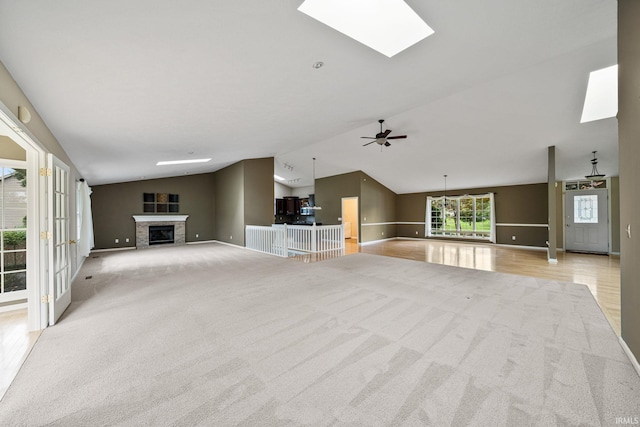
(72, 242)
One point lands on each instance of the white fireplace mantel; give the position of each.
(160, 218)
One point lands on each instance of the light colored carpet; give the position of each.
(215, 335)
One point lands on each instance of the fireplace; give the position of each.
(159, 229)
(159, 234)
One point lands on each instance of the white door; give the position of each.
(58, 221)
(587, 221)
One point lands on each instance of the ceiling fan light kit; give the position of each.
(382, 137)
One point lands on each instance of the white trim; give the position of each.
(376, 241)
(127, 248)
(553, 260)
(160, 218)
(199, 242)
(36, 209)
(77, 270)
(378, 223)
(535, 248)
(410, 223)
(630, 355)
(11, 307)
(505, 224)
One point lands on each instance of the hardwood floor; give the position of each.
(16, 343)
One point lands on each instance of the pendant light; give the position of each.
(595, 175)
(314, 207)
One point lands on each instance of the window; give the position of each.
(461, 216)
(13, 233)
(585, 209)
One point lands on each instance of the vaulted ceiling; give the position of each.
(125, 84)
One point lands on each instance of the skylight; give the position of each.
(601, 101)
(387, 26)
(181, 162)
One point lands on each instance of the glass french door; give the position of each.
(59, 262)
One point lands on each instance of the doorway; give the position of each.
(350, 219)
(587, 221)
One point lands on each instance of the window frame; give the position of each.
(445, 202)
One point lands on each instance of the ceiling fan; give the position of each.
(382, 137)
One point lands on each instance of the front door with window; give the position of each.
(587, 221)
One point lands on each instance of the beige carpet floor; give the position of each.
(216, 335)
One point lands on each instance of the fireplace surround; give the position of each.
(144, 222)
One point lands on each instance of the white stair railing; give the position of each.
(269, 240)
(279, 239)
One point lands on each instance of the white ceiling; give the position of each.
(123, 84)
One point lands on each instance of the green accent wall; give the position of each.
(113, 207)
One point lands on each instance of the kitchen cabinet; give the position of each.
(291, 206)
(280, 207)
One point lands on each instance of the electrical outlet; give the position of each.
(365, 218)
(513, 237)
(126, 240)
(416, 232)
(197, 235)
(230, 237)
(117, 240)
(383, 233)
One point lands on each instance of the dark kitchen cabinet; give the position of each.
(291, 206)
(280, 207)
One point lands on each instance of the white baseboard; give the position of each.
(78, 270)
(199, 242)
(11, 307)
(630, 355)
(377, 241)
(128, 248)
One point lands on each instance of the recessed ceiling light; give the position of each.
(278, 177)
(318, 64)
(601, 101)
(180, 162)
(387, 26)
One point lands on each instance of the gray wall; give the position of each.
(113, 206)
(329, 194)
(629, 135)
(10, 150)
(258, 191)
(378, 205)
(244, 196)
(229, 217)
(517, 204)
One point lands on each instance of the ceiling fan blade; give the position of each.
(369, 137)
(387, 144)
(364, 145)
(397, 137)
(386, 133)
